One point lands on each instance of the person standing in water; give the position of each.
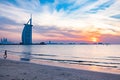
(5, 54)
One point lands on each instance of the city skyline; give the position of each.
(62, 20)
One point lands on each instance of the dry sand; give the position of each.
(14, 70)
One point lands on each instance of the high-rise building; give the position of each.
(4, 41)
(27, 33)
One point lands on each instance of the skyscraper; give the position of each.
(27, 33)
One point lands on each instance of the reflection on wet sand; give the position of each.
(26, 55)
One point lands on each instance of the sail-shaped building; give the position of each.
(27, 33)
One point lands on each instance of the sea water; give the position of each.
(107, 56)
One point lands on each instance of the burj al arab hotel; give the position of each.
(27, 33)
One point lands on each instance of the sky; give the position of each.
(62, 20)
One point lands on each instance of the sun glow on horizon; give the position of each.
(94, 39)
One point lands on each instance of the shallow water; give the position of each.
(107, 56)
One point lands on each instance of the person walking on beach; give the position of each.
(5, 54)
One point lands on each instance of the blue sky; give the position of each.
(62, 20)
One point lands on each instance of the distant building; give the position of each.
(4, 41)
(27, 33)
(49, 42)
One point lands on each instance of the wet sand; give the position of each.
(15, 70)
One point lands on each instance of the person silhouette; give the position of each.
(5, 54)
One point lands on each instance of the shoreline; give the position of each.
(17, 70)
(78, 67)
(64, 65)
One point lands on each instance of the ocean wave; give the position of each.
(83, 62)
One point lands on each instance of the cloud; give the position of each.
(56, 32)
(61, 18)
(9, 25)
(110, 38)
(116, 16)
(102, 6)
(6, 21)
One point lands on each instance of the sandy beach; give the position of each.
(15, 70)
